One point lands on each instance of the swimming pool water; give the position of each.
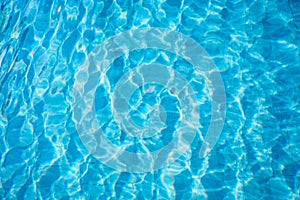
(44, 47)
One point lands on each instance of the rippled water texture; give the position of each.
(254, 44)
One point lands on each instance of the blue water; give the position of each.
(254, 44)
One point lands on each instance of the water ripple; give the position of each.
(255, 44)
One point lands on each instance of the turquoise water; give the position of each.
(45, 46)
